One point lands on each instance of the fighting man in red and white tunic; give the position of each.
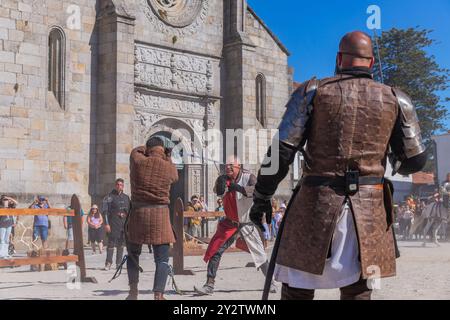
(236, 187)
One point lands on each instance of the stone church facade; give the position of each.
(83, 82)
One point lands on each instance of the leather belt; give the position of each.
(239, 224)
(139, 205)
(339, 182)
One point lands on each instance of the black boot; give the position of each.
(133, 294)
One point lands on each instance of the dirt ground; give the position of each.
(423, 273)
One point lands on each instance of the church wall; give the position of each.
(43, 148)
(203, 36)
(268, 59)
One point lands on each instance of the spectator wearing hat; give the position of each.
(41, 222)
(95, 222)
(194, 223)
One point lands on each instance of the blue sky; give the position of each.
(311, 30)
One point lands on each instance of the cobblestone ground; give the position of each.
(423, 273)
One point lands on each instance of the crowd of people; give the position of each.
(105, 224)
(423, 218)
(40, 230)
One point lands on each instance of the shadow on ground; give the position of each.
(110, 293)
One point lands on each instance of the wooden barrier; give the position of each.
(37, 212)
(178, 247)
(179, 251)
(77, 257)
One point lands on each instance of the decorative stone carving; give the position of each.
(210, 109)
(190, 82)
(153, 76)
(208, 76)
(196, 179)
(196, 124)
(210, 115)
(176, 13)
(211, 123)
(169, 106)
(146, 120)
(176, 17)
(150, 109)
(171, 70)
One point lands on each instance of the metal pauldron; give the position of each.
(410, 130)
(298, 112)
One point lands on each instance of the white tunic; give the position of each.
(341, 269)
(249, 232)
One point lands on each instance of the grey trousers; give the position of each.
(436, 224)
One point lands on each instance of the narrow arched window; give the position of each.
(261, 99)
(56, 64)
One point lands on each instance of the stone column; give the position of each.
(194, 179)
(236, 45)
(116, 24)
(212, 165)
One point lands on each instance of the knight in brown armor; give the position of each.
(337, 229)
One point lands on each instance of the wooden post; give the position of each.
(178, 255)
(78, 242)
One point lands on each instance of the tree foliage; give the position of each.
(407, 66)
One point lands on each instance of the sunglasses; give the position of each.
(232, 166)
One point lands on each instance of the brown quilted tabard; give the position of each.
(308, 229)
(376, 243)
